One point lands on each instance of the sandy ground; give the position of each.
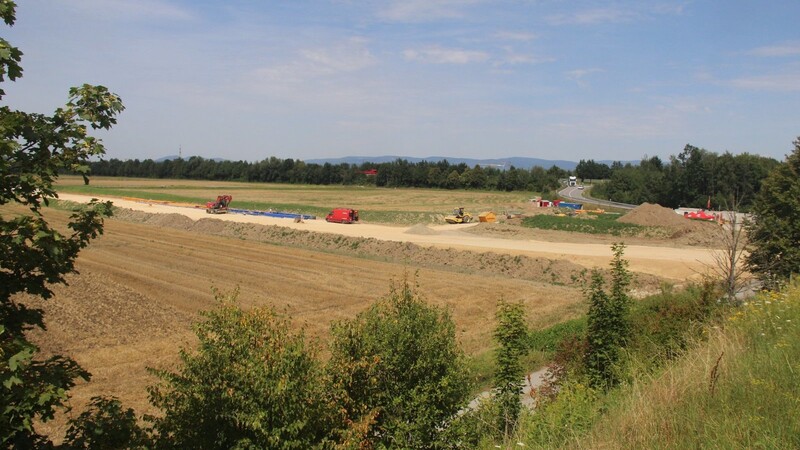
(674, 263)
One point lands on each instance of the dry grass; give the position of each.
(141, 286)
(364, 198)
(649, 410)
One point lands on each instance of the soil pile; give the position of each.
(421, 229)
(651, 215)
(691, 232)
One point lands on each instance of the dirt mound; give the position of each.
(171, 220)
(685, 231)
(421, 229)
(510, 229)
(651, 215)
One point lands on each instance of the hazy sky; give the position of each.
(553, 79)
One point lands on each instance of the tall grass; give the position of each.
(739, 387)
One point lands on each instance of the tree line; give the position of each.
(398, 173)
(695, 178)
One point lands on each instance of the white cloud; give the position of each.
(594, 16)
(515, 36)
(578, 75)
(784, 49)
(152, 9)
(512, 58)
(348, 56)
(424, 10)
(517, 58)
(789, 82)
(317, 74)
(438, 55)
(637, 11)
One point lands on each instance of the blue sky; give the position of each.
(551, 79)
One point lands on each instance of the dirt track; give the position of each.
(674, 263)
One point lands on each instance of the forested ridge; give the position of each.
(693, 178)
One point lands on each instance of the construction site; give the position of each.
(154, 269)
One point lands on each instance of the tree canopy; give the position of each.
(693, 178)
(34, 150)
(774, 232)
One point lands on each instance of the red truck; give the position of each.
(342, 215)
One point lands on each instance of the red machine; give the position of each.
(220, 206)
(700, 215)
(342, 215)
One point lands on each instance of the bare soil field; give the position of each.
(142, 283)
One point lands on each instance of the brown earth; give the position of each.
(144, 281)
(682, 230)
(672, 230)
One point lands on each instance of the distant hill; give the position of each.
(518, 162)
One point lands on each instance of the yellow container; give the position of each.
(487, 217)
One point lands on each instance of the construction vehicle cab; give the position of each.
(342, 215)
(219, 206)
(459, 216)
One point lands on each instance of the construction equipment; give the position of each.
(342, 215)
(700, 215)
(459, 216)
(220, 206)
(594, 211)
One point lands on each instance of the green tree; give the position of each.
(105, 425)
(399, 370)
(511, 334)
(34, 149)
(608, 322)
(251, 384)
(774, 231)
(453, 180)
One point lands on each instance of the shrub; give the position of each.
(608, 326)
(510, 334)
(251, 383)
(106, 425)
(397, 366)
(663, 325)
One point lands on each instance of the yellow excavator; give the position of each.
(459, 216)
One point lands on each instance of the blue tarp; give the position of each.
(571, 205)
(278, 214)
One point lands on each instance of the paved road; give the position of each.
(573, 193)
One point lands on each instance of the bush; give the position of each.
(397, 367)
(548, 339)
(608, 322)
(251, 383)
(664, 325)
(106, 425)
(510, 334)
